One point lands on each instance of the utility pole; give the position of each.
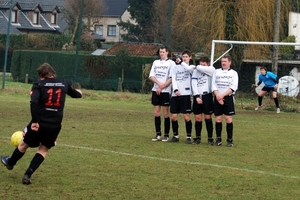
(7, 44)
(78, 41)
(169, 23)
(276, 36)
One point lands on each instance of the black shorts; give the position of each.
(268, 89)
(181, 104)
(207, 107)
(160, 100)
(227, 108)
(46, 135)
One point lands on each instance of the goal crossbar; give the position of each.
(231, 42)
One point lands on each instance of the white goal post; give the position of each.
(288, 84)
(231, 42)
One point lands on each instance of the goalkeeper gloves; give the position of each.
(254, 85)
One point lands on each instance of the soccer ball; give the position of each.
(16, 138)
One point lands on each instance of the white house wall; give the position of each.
(294, 27)
(106, 21)
(126, 17)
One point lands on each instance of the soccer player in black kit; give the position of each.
(47, 103)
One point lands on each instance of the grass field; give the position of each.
(104, 151)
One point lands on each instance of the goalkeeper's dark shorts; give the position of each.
(269, 89)
(46, 135)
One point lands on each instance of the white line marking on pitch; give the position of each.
(178, 161)
(182, 162)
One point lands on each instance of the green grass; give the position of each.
(104, 151)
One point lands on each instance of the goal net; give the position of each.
(249, 56)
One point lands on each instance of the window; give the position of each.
(111, 31)
(99, 29)
(36, 18)
(53, 18)
(13, 18)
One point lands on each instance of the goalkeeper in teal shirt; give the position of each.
(271, 84)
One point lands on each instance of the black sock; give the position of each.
(34, 164)
(259, 100)
(157, 125)
(198, 129)
(276, 102)
(17, 155)
(188, 128)
(167, 126)
(175, 127)
(209, 127)
(218, 129)
(229, 129)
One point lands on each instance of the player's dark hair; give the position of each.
(228, 57)
(263, 67)
(46, 71)
(189, 53)
(204, 59)
(164, 47)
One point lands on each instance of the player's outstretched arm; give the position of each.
(256, 85)
(188, 67)
(209, 70)
(74, 93)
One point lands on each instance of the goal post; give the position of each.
(231, 42)
(253, 55)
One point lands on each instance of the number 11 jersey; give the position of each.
(48, 100)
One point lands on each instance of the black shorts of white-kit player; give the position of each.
(227, 108)
(207, 107)
(160, 100)
(181, 104)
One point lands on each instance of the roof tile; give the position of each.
(134, 49)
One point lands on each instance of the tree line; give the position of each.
(195, 23)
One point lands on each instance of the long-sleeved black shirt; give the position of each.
(48, 100)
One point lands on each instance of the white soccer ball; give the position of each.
(16, 138)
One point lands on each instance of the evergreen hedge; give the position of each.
(92, 72)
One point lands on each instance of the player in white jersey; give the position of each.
(203, 99)
(224, 85)
(181, 95)
(160, 75)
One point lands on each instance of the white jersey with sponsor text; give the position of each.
(201, 80)
(224, 79)
(181, 79)
(161, 70)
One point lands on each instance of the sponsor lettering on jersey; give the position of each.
(54, 85)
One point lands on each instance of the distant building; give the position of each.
(107, 27)
(31, 17)
(45, 16)
(294, 27)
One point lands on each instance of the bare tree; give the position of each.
(92, 12)
(195, 23)
(159, 22)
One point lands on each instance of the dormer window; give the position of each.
(53, 18)
(14, 18)
(36, 17)
(14, 15)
